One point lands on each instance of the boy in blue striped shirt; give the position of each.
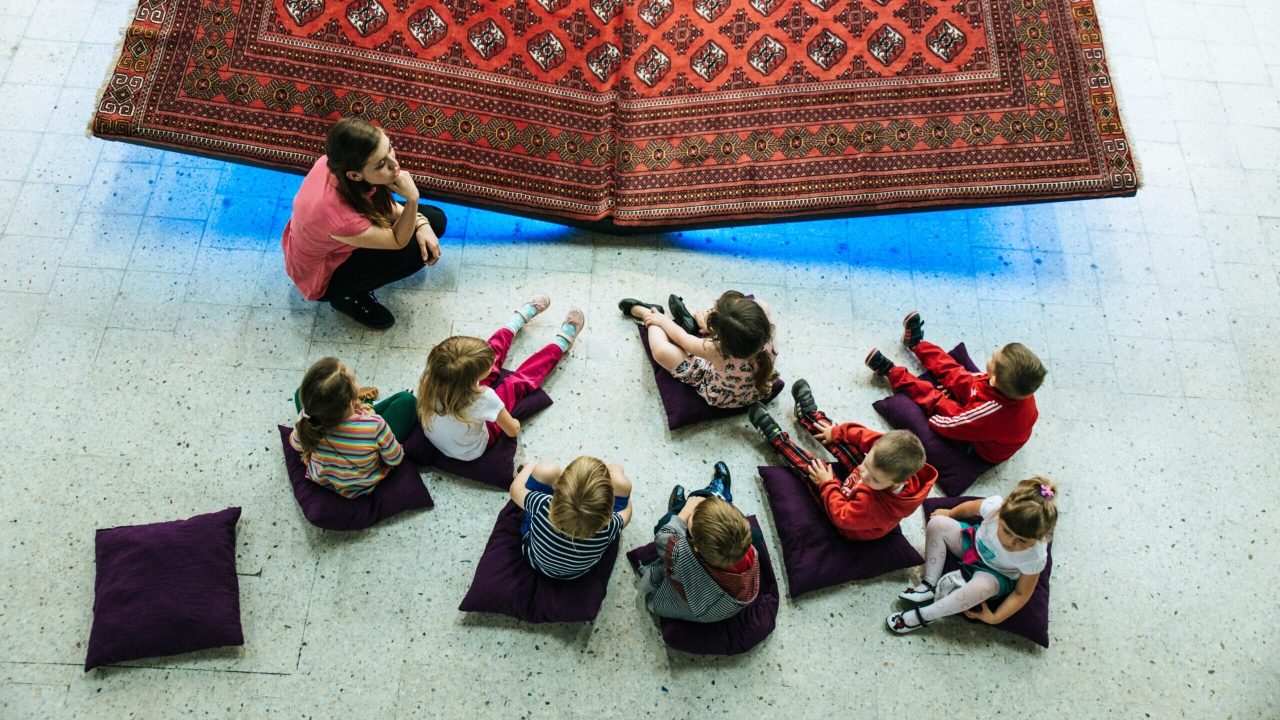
(571, 516)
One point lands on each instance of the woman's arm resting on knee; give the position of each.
(1012, 604)
(401, 232)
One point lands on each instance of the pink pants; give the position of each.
(527, 378)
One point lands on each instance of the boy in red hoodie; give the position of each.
(888, 477)
(992, 411)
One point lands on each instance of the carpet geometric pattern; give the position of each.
(646, 112)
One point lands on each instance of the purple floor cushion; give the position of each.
(1032, 621)
(683, 405)
(958, 466)
(165, 588)
(505, 583)
(401, 490)
(814, 553)
(739, 633)
(496, 466)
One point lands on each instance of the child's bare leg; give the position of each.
(665, 353)
(546, 472)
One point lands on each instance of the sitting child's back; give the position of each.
(707, 569)
(571, 517)
(453, 405)
(346, 446)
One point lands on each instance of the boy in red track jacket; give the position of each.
(888, 477)
(993, 411)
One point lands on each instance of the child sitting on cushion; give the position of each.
(461, 410)
(888, 477)
(993, 411)
(571, 517)
(732, 366)
(706, 569)
(346, 446)
(1001, 556)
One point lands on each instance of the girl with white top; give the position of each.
(463, 403)
(1001, 556)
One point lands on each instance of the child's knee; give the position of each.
(546, 472)
(940, 524)
(621, 483)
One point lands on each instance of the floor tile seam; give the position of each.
(311, 594)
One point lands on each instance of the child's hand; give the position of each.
(982, 613)
(942, 512)
(823, 435)
(367, 394)
(700, 317)
(656, 318)
(820, 472)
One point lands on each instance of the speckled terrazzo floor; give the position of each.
(149, 341)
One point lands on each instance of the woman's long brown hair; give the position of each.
(350, 143)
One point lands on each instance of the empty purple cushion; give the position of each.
(814, 553)
(401, 490)
(507, 584)
(958, 466)
(496, 466)
(1032, 621)
(739, 633)
(683, 404)
(165, 588)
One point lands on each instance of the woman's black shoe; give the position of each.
(366, 310)
(682, 316)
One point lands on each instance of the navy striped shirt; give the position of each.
(555, 554)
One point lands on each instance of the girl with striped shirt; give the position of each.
(346, 445)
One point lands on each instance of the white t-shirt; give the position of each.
(465, 440)
(1008, 563)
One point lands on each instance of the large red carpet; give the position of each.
(646, 112)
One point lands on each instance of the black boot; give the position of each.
(912, 330)
(763, 421)
(677, 497)
(721, 484)
(878, 363)
(805, 404)
(682, 316)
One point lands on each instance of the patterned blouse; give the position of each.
(723, 386)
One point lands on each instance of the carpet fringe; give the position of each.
(117, 51)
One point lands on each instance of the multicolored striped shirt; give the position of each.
(353, 458)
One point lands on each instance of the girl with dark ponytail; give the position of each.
(347, 236)
(725, 353)
(346, 445)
